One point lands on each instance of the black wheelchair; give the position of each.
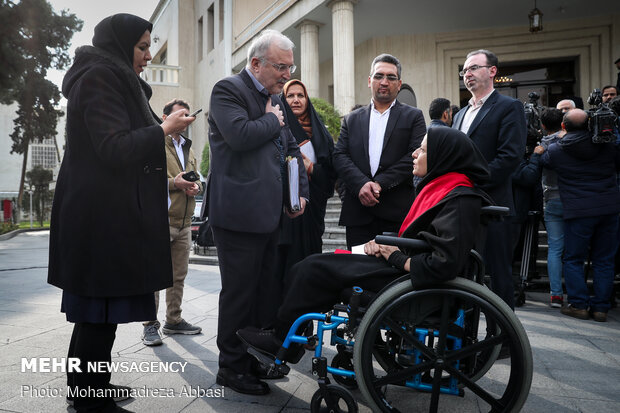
(408, 346)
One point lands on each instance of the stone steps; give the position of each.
(334, 238)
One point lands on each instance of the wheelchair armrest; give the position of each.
(494, 211)
(390, 234)
(413, 244)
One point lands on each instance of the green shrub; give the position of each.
(7, 227)
(329, 115)
(204, 163)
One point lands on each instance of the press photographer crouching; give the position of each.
(588, 189)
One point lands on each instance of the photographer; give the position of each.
(526, 188)
(591, 202)
(551, 120)
(608, 93)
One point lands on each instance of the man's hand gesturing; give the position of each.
(275, 110)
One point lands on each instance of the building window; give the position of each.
(211, 28)
(407, 96)
(200, 37)
(43, 154)
(163, 57)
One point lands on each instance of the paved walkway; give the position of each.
(577, 363)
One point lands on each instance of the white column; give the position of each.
(310, 56)
(343, 54)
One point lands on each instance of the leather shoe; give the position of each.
(266, 342)
(241, 383)
(580, 313)
(599, 316)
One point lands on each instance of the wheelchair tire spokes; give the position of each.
(480, 392)
(476, 348)
(455, 361)
(400, 376)
(408, 338)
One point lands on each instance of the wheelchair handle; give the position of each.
(494, 211)
(414, 244)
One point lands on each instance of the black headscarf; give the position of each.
(118, 34)
(450, 150)
(321, 139)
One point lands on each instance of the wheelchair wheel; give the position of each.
(344, 360)
(442, 340)
(342, 401)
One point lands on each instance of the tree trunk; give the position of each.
(22, 179)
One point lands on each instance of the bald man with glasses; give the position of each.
(496, 124)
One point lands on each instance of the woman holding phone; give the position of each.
(109, 239)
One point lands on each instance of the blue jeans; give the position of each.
(554, 223)
(600, 234)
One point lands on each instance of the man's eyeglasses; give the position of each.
(380, 76)
(282, 67)
(471, 68)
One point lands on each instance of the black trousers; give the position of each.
(250, 290)
(361, 234)
(91, 343)
(498, 259)
(315, 284)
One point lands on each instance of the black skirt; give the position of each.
(112, 310)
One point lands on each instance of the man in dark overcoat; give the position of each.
(249, 141)
(496, 124)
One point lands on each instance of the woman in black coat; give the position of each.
(445, 214)
(109, 239)
(301, 237)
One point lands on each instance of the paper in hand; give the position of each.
(308, 150)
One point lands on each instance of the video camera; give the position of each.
(532, 117)
(601, 119)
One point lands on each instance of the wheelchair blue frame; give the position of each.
(332, 322)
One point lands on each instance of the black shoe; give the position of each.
(241, 383)
(264, 372)
(266, 342)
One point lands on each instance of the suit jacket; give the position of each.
(499, 131)
(403, 134)
(244, 185)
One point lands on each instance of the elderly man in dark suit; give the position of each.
(249, 141)
(373, 156)
(496, 124)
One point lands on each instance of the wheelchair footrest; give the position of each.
(268, 361)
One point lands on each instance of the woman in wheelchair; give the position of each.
(445, 214)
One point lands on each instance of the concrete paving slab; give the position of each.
(576, 363)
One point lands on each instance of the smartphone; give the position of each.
(195, 113)
(190, 176)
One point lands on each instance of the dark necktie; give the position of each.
(278, 141)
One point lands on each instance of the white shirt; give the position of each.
(376, 133)
(178, 146)
(474, 108)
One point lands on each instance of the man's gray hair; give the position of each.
(570, 102)
(261, 44)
